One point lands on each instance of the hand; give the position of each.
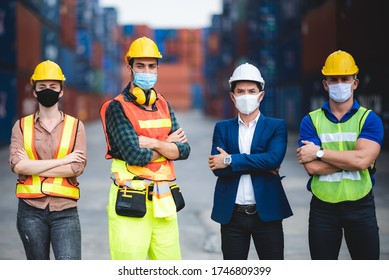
(217, 161)
(307, 152)
(22, 154)
(274, 171)
(147, 142)
(177, 136)
(75, 156)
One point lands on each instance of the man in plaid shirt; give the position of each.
(143, 139)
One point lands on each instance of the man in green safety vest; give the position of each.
(338, 146)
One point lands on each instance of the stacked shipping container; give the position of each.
(80, 36)
(288, 40)
(265, 33)
(7, 70)
(355, 27)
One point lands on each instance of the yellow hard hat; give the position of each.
(47, 70)
(339, 63)
(143, 47)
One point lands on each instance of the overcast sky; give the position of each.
(166, 13)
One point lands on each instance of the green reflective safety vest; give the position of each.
(344, 185)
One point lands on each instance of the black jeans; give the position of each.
(268, 237)
(40, 227)
(357, 219)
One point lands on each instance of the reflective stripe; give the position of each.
(27, 191)
(60, 190)
(28, 125)
(155, 123)
(338, 137)
(341, 136)
(66, 137)
(35, 186)
(338, 176)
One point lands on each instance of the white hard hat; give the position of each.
(247, 72)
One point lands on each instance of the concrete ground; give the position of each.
(200, 237)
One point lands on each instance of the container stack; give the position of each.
(355, 27)
(261, 32)
(8, 77)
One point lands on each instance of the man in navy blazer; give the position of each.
(247, 152)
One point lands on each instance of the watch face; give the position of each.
(227, 160)
(320, 153)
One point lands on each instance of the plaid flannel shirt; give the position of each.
(124, 140)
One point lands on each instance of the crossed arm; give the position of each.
(48, 167)
(165, 148)
(365, 153)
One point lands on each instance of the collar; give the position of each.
(348, 115)
(253, 122)
(36, 116)
(127, 94)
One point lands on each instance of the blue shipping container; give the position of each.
(7, 105)
(50, 43)
(7, 34)
(67, 61)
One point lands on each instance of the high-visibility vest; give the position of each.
(342, 136)
(37, 186)
(155, 124)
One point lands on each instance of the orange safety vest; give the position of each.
(37, 186)
(154, 124)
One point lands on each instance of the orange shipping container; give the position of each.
(28, 38)
(174, 84)
(97, 55)
(318, 39)
(68, 23)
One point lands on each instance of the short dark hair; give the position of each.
(233, 84)
(131, 62)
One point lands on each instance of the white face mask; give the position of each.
(340, 92)
(247, 103)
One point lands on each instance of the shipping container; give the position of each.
(84, 43)
(47, 11)
(289, 106)
(8, 34)
(50, 44)
(68, 23)
(8, 114)
(83, 77)
(289, 60)
(67, 61)
(289, 17)
(97, 54)
(26, 102)
(28, 40)
(84, 13)
(319, 36)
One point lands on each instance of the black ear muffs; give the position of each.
(144, 98)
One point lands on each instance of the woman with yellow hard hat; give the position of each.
(48, 152)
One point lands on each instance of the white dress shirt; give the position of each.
(245, 193)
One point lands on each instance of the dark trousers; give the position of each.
(268, 237)
(40, 227)
(355, 219)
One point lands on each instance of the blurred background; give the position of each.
(288, 40)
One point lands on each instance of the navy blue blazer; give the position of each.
(267, 152)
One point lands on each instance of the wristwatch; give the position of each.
(320, 153)
(227, 160)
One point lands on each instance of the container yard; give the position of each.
(288, 40)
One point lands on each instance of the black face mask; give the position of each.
(47, 97)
